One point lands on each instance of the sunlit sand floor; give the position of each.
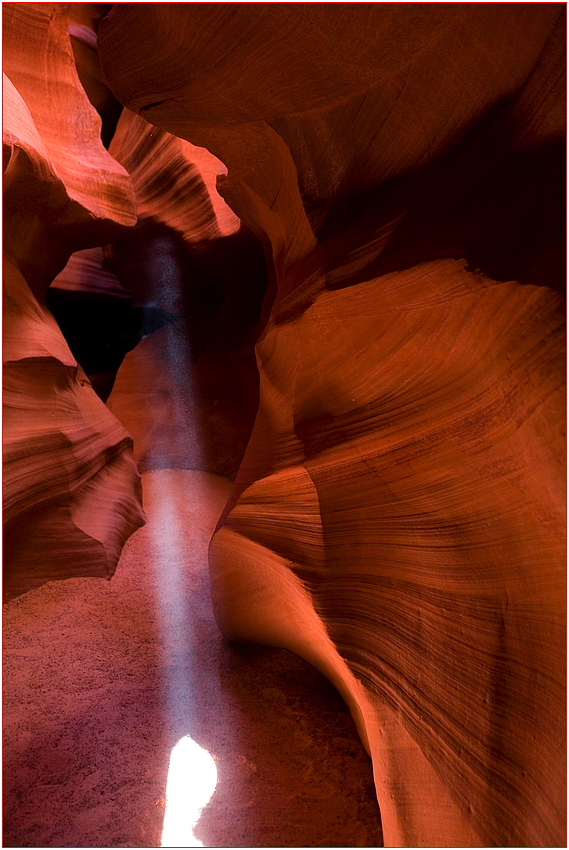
(129, 723)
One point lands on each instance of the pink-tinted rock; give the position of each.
(71, 488)
(38, 61)
(398, 519)
(169, 177)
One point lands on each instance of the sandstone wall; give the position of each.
(398, 518)
(71, 488)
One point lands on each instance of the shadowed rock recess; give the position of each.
(302, 265)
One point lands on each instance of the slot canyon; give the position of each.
(284, 424)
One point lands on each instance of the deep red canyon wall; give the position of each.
(71, 488)
(398, 516)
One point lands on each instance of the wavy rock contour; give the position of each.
(71, 488)
(398, 517)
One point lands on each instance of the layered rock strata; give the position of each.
(71, 488)
(398, 519)
(189, 391)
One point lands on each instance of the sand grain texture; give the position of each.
(399, 513)
(101, 681)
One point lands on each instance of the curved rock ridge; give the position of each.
(168, 180)
(38, 60)
(86, 272)
(398, 518)
(413, 482)
(72, 492)
(63, 192)
(83, 24)
(441, 136)
(71, 489)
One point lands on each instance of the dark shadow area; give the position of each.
(202, 309)
(196, 379)
(216, 290)
(197, 375)
(488, 199)
(100, 329)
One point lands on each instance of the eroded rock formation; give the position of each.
(190, 257)
(71, 488)
(398, 518)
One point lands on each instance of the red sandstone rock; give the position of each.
(38, 61)
(398, 519)
(169, 176)
(179, 256)
(189, 257)
(83, 23)
(483, 80)
(409, 485)
(71, 488)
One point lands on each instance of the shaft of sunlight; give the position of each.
(192, 777)
(192, 773)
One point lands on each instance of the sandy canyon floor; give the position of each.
(128, 722)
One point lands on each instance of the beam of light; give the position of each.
(192, 777)
(192, 773)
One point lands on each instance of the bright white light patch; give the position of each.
(192, 777)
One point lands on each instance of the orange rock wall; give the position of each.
(398, 518)
(71, 489)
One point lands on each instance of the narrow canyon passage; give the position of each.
(288, 278)
(124, 710)
(103, 680)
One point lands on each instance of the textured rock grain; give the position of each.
(71, 488)
(398, 518)
(101, 681)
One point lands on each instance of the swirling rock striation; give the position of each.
(398, 518)
(189, 392)
(187, 280)
(71, 488)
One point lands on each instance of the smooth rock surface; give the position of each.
(398, 517)
(71, 488)
(102, 681)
